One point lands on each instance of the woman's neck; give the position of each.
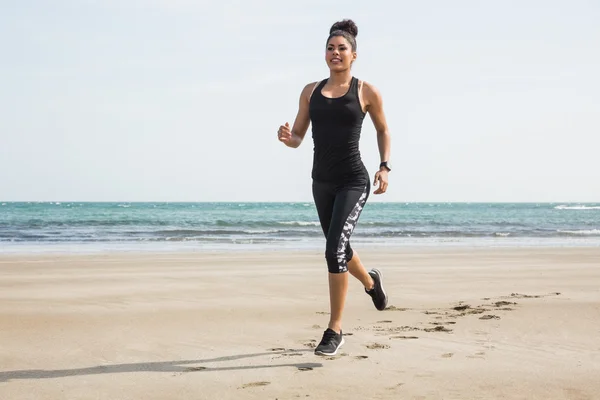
(341, 78)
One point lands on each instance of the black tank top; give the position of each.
(336, 127)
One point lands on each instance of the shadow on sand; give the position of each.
(180, 366)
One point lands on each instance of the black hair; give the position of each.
(346, 28)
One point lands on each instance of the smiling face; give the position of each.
(339, 55)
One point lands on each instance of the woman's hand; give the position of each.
(284, 134)
(381, 179)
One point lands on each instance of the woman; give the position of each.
(336, 108)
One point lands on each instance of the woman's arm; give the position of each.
(374, 103)
(293, 138)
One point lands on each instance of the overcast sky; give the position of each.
(180, 100)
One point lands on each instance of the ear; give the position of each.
(354, 55)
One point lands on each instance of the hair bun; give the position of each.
(346, 25)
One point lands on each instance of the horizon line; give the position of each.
(292, 202)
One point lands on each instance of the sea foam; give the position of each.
(565, 207)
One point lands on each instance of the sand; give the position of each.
(461, 324)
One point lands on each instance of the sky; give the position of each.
(180, 100)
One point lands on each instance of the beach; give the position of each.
(461, 323)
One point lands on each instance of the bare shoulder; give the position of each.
(370, 91)
(370, 95)
(308, 89)
(311, 85)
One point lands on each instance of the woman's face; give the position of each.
(339, 55)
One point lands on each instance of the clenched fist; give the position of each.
(284, 134)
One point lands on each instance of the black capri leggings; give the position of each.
(339, 207)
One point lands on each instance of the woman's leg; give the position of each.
(372, 281)
(347, 207)
(338, 226)
(339, 212)
(338, 288)
(358, 270)
(325, 197)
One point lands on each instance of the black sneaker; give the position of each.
(378, 295)
(330, 343)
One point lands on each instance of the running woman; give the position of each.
(336, 108)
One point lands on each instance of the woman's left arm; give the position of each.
(374, 103)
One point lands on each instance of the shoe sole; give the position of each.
(322, 353)
(378, 272)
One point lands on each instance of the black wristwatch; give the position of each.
(387, 165)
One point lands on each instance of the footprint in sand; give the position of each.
(489, 317)
(385, 321)
(466, 309)
(477, 311)
(480, 354)
(192, 369)
(395, 387)
(377, 346)
(529, 296)
(524, 296)
(447, 355)
(404, 337)
(461, 307)
(276, 349)
(322, 313)
(438, 329)
(255, 384)
(316, 327)
(404, 328)
(504, 303)
(337, 356)
(394, 308)
(427, 312)
(361, 357)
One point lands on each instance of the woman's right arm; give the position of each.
(293, 138)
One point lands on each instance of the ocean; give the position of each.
(98, 227)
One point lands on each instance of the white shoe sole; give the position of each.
(378, 272)
(322, 353)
